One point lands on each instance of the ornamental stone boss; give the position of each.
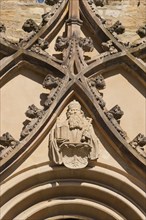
(73, 142)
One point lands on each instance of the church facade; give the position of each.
(73, 86)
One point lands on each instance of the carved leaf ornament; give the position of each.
(74, 82)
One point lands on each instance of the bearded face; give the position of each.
(75, 119)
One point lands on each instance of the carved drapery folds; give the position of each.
(114, 115)
(36, 115)
(54, 84)
(7, 144)
(97, 83)
(139, 143)
(73, 142)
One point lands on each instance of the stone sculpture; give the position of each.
(40, 46)
(114, 115)
(73, 142)
(139, 143)
(7, 144)
(109, 48)
(30, 27)
(95, 84)
(61, 43)
(86, 44)
(54, 84)
(36, 115)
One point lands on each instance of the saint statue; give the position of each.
(74, 141)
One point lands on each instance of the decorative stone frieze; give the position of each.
(73, 142)
(114, 115)
(139, 143)
(117, 27)
(97, 83)
(36, 115)
(7, 144)
(54, 84)
(142, 31)
(40, 46)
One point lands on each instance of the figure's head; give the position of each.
(74, 107)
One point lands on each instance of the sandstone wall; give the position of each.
(132, 14)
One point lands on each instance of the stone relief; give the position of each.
(117, 28)
(114, 115)
(31, 28)
(97, 83)
(139, 143)
(73, 142)
(54, 84)
(7, 144)
(36, 115)
(40, 46)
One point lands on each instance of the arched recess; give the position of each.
(43, 192)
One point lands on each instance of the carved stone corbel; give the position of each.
(97, 83)
(114, 115)
(36, 115)
(139, 143)
(7, 144)
(54, 84)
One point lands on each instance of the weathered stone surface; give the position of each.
(74, 141)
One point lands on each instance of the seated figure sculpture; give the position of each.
(73, 142)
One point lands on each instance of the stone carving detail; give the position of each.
(36, 115)
(109, 48)
(93, 4)
(86, 44)
(73, 49)
(30, 27)
(114, 115)
(96, 84)
(61, 43)
(117, 27)
(54, 84)
(7, 144)
(56, 4)
(139, 143)
(40, 46)
(73, 142)
(142, 31)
